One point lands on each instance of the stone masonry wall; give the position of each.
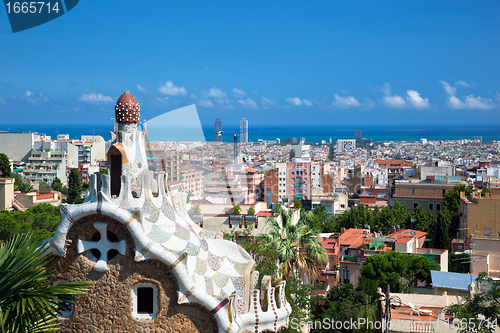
(107, 306)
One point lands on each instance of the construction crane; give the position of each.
(235, 147)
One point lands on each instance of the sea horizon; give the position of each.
(312, 133)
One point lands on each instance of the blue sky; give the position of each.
(272, 62)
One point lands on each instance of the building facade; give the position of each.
(218, 129)
(345, 145)
(243, 130)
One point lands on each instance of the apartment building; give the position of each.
(163, 158)
(345, 146)
(91, 149)
(191, 180)
(428, 194)
(480, 216)
(17, 146)
(45, 165)
(395, 168)
(6, 193)
(239, 184)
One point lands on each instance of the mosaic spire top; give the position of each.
(127, 109)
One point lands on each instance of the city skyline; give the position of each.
(339, 63)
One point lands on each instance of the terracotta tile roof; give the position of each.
(407, 233)
(354, 238)
(404, 239)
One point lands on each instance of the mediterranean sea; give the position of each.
(310, 133)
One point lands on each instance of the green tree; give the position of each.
(299, 249)
(390, 267)
(25, 188)
(481, 311)
(18, 181)
(75, 188)
(5, 170)
(298, 295)
(442, 238)
(391, 217)
(43, 186)
(236, 210)
(103, 171)
(28, 300)
(320, 220)
(484, 191)
(42, 219)
(251, 211)
(196, 210)
(56, 184)
(424, 221)
(452, 204)
(460, 263)
(345, 303)
(297, 204)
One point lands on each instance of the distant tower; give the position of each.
(243, 130)
(358, 136)
(218, 128)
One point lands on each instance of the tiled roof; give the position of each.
(407, 233)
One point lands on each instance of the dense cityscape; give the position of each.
(432, 199)
(250, 166)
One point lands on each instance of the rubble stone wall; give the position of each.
(107, 306)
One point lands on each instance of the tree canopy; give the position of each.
(481, 311)
(42, 219)
(298, 248)
(390, 267)
(56, 184)
(5, 170)
(345, 303)
(452, 204)
(75, 188)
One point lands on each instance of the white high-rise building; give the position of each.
(243, 130)
(346, 145)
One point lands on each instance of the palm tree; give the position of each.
(299, 249)
(28, 300)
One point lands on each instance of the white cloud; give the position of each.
(95, 98)
(386, 89)
(455, 103)
(216, 93)
(497, 97)
(141, 89)
(266, 102)
(3, 100)
(248, 103)
(206, 103)
(449, 89)
(170, 89)
(29, 93)
(394, 101)
(465, 84)
(478, 102)
(193, 96)
(415, 99)
(345, 102)
(470, 102)
(239, 93)
(295, 101)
